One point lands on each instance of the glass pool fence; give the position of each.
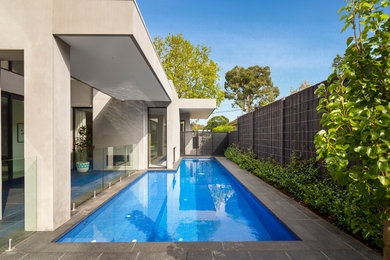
(18, 201)
(97, 169)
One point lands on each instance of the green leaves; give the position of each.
(250, 87)
(343, 206)
(216, 121)
(189, 67)
(356, 145)
(349, 40)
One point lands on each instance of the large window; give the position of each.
(157, 137)
(12, 136)
(82, 117)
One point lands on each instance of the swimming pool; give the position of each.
(201, 201)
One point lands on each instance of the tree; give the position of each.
(305, 84)
(216, 121)
(251, 87)
(196, 127)
(190, 68)
(355, 107)
(223, 128)
(338, 63)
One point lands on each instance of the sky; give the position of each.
(297, 39)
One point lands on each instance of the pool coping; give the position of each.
(319, 238)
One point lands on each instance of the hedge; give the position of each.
(303, 181)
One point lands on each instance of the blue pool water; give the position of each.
(201, 201)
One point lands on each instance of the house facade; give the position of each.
(72, 63)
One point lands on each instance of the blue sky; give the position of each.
(296, 39)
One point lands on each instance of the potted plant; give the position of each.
(82, 143)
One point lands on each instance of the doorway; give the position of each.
(12, 154)
(157, 121)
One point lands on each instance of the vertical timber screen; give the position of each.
(282, 127)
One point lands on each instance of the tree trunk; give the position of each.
(386, 240)
(248, 105)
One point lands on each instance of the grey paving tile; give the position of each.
(89, 247)
(200, 246)
(157, 247)
(265, 246)
(161, 255)
(307, 255)
(12, 255)
(199, 255)
(117, 256)
(231, 255)
(81, 256)
(266, 255)
(44, 256)
(311, 230)
(344, 255)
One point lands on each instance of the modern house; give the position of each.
(72, 63)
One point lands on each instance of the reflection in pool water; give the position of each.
(201, 201)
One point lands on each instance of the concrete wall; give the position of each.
(117, 123)
(11, 82)
(81, 94)
(27, 26)
(173, 130)
(188, 137)
(108, 17)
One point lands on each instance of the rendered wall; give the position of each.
(117, 123)
(187, 138)
(11, 82)
(27, 26)
(173, 129)
(81, 94)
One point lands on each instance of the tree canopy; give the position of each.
(223, 128)
(305, 84)
(216, 121)
(355, 107)
(250, 87)
(190, 68)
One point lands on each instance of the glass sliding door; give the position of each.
(12, 137)
(82, 119)
(157, 122)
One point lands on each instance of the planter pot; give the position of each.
(82, 166)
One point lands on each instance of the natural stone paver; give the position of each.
(318, 238)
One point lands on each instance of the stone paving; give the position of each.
(318, 238)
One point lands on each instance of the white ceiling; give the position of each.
(115, 66)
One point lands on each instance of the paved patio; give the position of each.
(319, 239)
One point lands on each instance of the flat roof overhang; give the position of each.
(197, 108)
(114, 65)
(111, 49)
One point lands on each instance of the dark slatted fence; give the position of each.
(283, 127)
(204, 143)
(245, 131)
